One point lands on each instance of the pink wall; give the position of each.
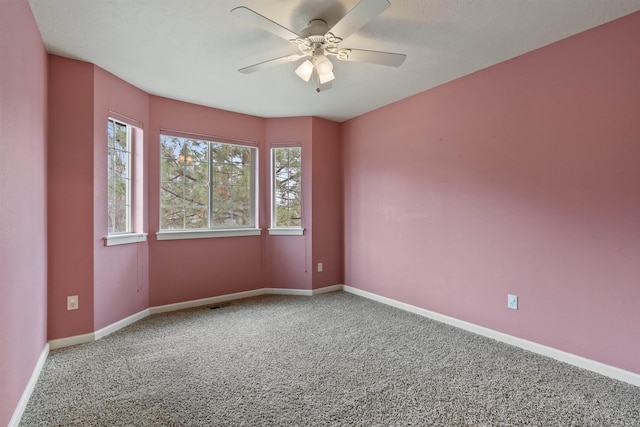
(121, 273)
(183, 270)
(23, 197)
(70, 196)
(522, 178)
(115, 282)
(289, 257)
(327, 206)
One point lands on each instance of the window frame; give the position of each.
(212, 231)
(129, 171)
(275, 229)
(133, 233)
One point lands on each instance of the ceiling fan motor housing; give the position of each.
(315, 31)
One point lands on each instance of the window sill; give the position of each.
(205, 234)
(124, 239)
(286, 231)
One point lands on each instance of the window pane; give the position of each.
(196, 217)
(120, 225)
(184, 183)
(111, 162)
(230, 154)
(172, 217)
(287, 191)
(111, 134)
(231, 206)
(121, 163)
(171, 193)
(171, 171)
(197, 171)
(117, 218)
(121, 136)
(288, 216)
(119, 177)
(222, 209)
(197, 194)
(210, 184)
(231, 188)
(119, 191)
(231, 174)
(111, 220)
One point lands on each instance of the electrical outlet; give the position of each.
(72, 302)
(319, 267)
(512, 301)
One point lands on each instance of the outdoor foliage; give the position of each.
(287, 172)
(204, 184)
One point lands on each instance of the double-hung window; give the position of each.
(286, 190)
(121, 224)
(207, 187)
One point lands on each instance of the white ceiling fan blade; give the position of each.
(372, 57)
(357, 17)
(270, 63)
(263, 22)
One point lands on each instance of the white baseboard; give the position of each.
(26, 394)
(69, 341)
(204, 301)
(287, 291)
(327, 289)
(240, 295)
(572, 359)
(101, 333)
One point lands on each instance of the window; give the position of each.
(119, 166)
(206, 185)
(122, 183)
(286, 199)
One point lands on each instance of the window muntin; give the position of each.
(286, 174)
(206, 184)
(119, 177)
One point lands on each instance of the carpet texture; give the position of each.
(332, 359)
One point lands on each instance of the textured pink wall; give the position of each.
(289, 257)
(70, 196)
(121, 273)
(182, 270)
(327, 206)
(522, 178)
(23, 197)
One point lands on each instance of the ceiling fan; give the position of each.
(318, 42)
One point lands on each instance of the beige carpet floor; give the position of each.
(329, 360)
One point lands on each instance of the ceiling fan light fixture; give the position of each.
(305, 70)
(323, 64)
(325, 77)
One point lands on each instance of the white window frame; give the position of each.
(129, 151)
(214, 231)
(131, 234)
(284, 230)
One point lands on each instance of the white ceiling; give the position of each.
(191, 50)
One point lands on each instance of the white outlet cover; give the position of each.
(72, 302)
(320, 267)
(512, 301)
